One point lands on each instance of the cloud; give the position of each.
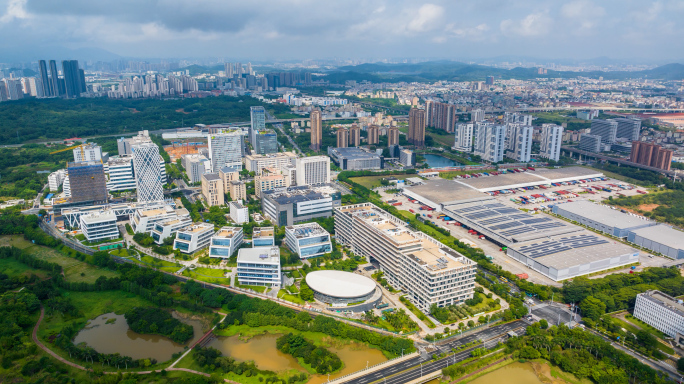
(534, 24)
(426, 18)
(15, 10)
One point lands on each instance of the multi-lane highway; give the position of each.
(423, 365)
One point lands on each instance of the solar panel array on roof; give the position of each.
(502, 220)
(549, 247)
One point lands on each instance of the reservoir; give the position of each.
(437, 161)
(109, 333)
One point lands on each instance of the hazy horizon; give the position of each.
(631, 31)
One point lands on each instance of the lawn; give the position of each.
(374, 181)
(484, 305)
(162, 265)
(12, 268)
(285, 295)
(257, 288)
(407, 214)
(441, 137)
(417, 312)
(14, 241)
(74, 270)
(209, 275)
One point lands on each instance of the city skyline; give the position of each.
(578, 29)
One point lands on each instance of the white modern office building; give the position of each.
(166, 229)
(120, 174)
(226, 149)
(308, 240)
(195, 166)
(551, 141)
(259, 266)
(313, 170)
(662, 312)
(193, 237)
(464, 137)
(225, 242)
(89, 152)
(427, 270)
(255, 163)
(99, 225)
(238, 212)
(55, 179)
(407, 158)
(519, 142)
(149, 180)
(263, 237)
(144, 219)
(289, 206)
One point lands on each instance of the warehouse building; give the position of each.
(659, 239)
(601, 217)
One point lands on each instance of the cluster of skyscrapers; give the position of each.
(48, 83)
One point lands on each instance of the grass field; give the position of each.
(74, 270)
(12, 268)
(162, 265)
(408, 214)
(285, 295)
(442, 137)
(374, 181)
(208, 275)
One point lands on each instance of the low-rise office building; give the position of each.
(195, 166)
(308, 240)
(263, 237)
(99, 226)
(428, 271)
(238, 212)
(259, 266)
(255, 162)
(144, 219)
(166, 229)
(288, 206)
(194, 237)
(268, 182)
(662, 312)
(355, 159)
(225, 242)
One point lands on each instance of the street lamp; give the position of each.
(402, 352)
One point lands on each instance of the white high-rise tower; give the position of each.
(148, 176)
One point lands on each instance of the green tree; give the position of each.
(593, 308)
(543, 323)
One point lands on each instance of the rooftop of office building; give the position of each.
(96, 217)
(259, 232)
(353, 153)
(237, 204)
(171, 223)
(300, 194)
(270, 156)
(301, 231)
(228, 232)
(211, 176)
(259, 255)
(199, 227)
(433, 257)
(665, 300)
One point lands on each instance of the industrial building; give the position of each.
(263, 237)
(194, 237)
(355, 159)
(343, 289)
(662, 312)
(601, 217)
(225, 242)
(659, 239)
(429, 272)
(308, 240)
(259, 266)
(288, 206)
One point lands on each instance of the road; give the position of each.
(279, 126)
(618, 161)
(423, 365)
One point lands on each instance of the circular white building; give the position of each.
(340, 288)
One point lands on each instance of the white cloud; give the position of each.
(534, 24)
(16, 9)
(469, 32)
(426, 18)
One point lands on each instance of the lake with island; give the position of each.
(109, 333)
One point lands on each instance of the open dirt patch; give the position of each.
(648, 207)
(133, 110)
(181, 110)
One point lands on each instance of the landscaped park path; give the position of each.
(67, 362)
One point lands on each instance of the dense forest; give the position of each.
(26, 120)
(669, 206)
(320, 359)
(158, 321)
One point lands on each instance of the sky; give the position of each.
(641, 30)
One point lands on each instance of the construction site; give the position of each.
(184, 147)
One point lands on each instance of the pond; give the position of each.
(437, 161)
(262, 351)
(109, 333)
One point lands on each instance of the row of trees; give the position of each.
(320, 359)
(157, 321)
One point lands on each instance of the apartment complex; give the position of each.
(288, 206)
(225, 242)
(354, 135)
(373, 134)
(193, 238)
(490, 141)
(662, 312)
(652, 155)
(342, 136)
(316, 130)
(551, 141)
(55, 179)
(440, 115)
(606, 129)
(268, 182)
(628, 128)
(477, 115)
(259, 266)
(308, 240)
(519, 142)
(392, 136)
(416, 131)
(418, 264)
(590, 143)
(463, 140)
(212, 189)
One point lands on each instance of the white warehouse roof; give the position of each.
(340, 284)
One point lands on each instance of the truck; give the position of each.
(412, 211)
(397, 204)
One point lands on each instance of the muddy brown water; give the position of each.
(262, 350)
(117, 337)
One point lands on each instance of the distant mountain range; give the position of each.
(457, 71)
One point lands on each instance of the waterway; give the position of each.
(262, 351)
(437, 161)
(109, 333)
